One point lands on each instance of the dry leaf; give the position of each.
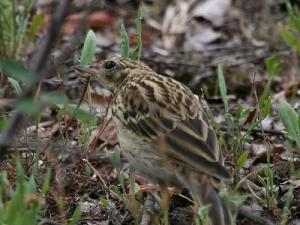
(213, 11)
(95, 20)
(175, 22)
(198, 40)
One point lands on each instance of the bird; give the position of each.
(163, 130)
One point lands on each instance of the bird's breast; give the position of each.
(143, 156)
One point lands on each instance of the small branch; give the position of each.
(39, 72)
(259, 131)
(77, 106)
(100, 178)
(96, 172)
(43, 221)
(266, 131)
(149, 209)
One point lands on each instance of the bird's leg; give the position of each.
(144, 185)
(149, 188)
(165, 203)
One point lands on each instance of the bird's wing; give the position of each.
(177, 124)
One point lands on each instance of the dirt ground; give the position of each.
(186, 40)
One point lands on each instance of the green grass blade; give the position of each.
(89, 48)
(76, 216)
(222, 87)
(17, 71)
(35, 26)
(273, 65)
(124, 42)
(289, 119)
(136, 53)
(15, 85)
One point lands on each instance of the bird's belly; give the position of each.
(144, 158)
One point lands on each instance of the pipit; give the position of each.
(163, 130)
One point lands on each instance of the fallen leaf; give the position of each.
(258, 150)
(95, 20)
(101, 19)
(250, 117)
(106, 132)
(174, 22)
(267, 123)
(146, 39)
(198, 40)
(213, 11)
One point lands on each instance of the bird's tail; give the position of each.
(203, 194)
(218, 213)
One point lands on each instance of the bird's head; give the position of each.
(112, 72)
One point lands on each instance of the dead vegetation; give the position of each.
(60, 162)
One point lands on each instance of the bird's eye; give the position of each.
(109, 65)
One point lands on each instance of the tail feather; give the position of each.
(218, 213)
(207, 195)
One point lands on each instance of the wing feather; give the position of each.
(186, 134)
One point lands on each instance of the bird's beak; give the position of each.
(85, 71)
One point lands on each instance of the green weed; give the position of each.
(125, 48)
(21, 203)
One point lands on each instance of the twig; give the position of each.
(39, 72)
(149, 209)
(77, 106)
(266, 131)
(100, 178)
(175, 64)
(96, 172)
(47, 221)
(259, 131)
(248, 213)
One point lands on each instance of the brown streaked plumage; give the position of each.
(163, 130)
